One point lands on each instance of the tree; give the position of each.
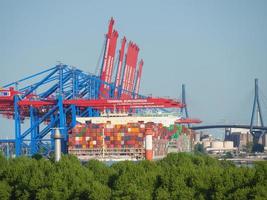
(249, 147)
(178, 176)
(5, 190)
(228, 154)
(95, 191)
(37, 156)
(101, 171)
(199, 148)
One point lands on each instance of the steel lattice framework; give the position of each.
(60, 95)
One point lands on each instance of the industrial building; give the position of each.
(240, 137)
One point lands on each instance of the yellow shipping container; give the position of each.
(134, 130)
(117, 138)
(118, 126)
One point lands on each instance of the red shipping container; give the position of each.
(130, 142)
(107, 133)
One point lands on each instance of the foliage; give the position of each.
(37, 156)
(249, 147)
(228, 155)
(178, 176)
(199, 148)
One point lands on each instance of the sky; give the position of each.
(216, 48)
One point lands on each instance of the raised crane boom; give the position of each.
(108, 60)
(138, 77)
(129, 71)
(133, 69)
(119, 69)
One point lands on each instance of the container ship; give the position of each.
(128, 137)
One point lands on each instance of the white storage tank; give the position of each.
(228, 144)
(206, 143)
(217, 144)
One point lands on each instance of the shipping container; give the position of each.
(130, 136)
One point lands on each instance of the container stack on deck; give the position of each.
(111, 141)
(115, 136)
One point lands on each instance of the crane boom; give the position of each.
(120, 69)
(138, 77)
(129, 71)
(108, 60)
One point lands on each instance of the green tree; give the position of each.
(134, 180)
(199, 148)
(249, 147)
(101, 171)
(37, 156)
(95, 191)
(178, 176)
(228, 155)
(5, 190)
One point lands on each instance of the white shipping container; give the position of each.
(109, 125)
(142, 126)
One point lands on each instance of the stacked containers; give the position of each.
(171, 132)
(131, 135)
(180, 138)
(107, 135)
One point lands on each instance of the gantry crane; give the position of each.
(63, 93)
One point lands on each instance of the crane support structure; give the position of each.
(56, 100)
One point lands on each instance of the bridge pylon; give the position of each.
(184, 111)
(256, 110)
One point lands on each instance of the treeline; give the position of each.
(178, 176)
